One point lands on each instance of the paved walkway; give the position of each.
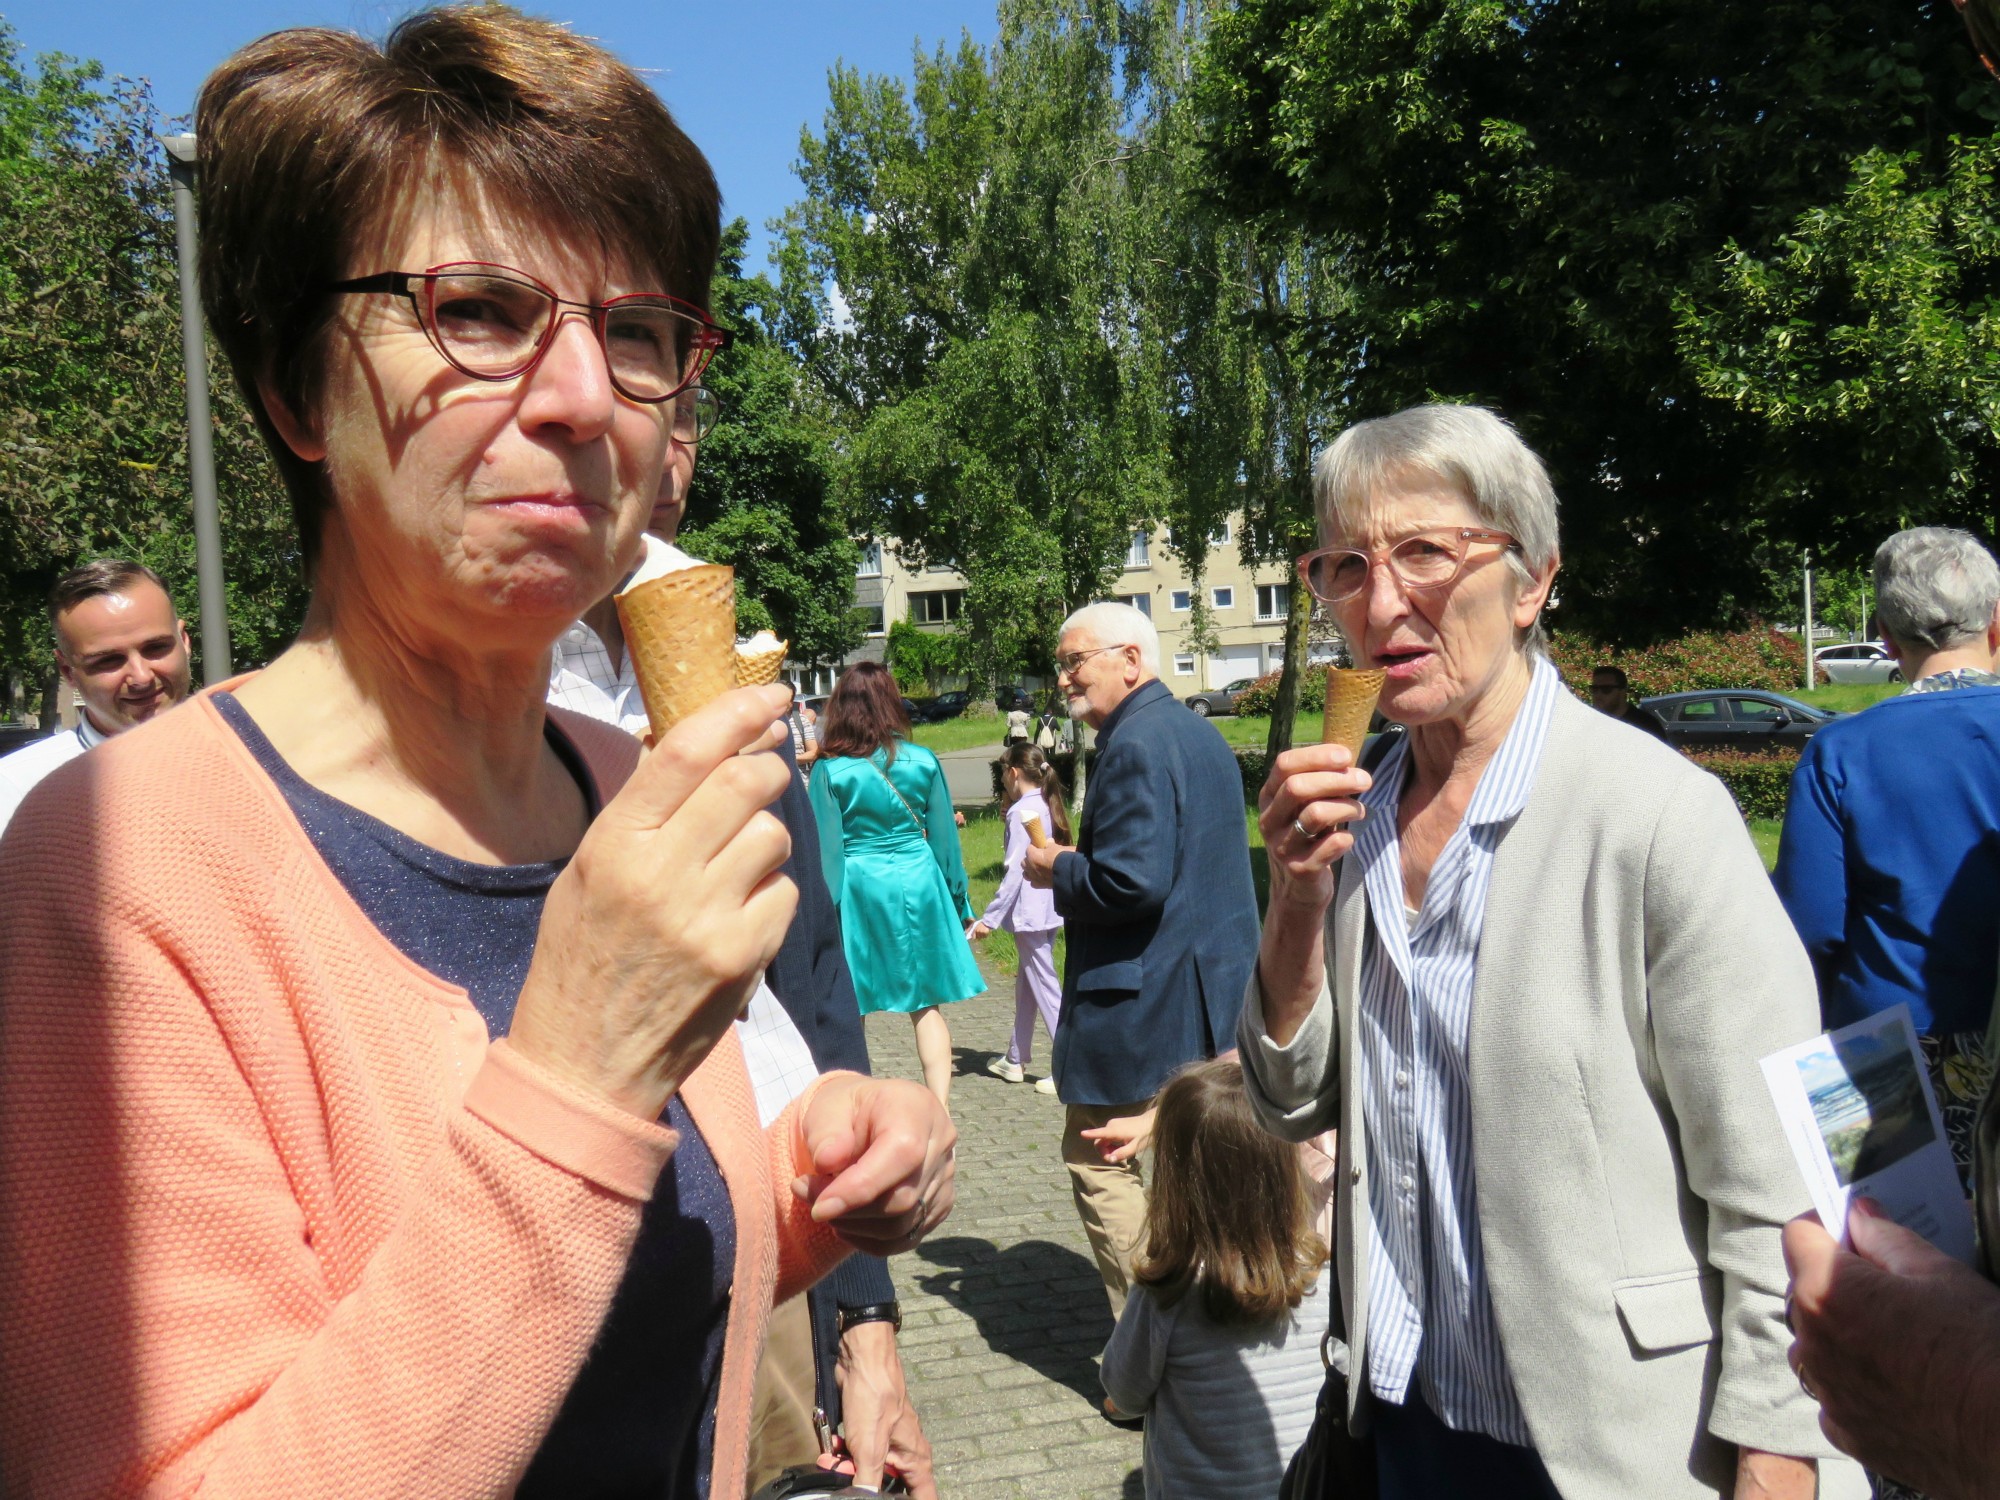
(1003, 1311)
(968, 775)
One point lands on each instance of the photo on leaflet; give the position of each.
(1867, 1099)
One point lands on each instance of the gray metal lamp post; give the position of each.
(215, 663)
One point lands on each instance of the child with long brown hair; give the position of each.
(1218, 1347)
(1029, 788)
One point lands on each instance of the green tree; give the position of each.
(93, 444)
(961, 278)
(1536, 206)
(761, 500)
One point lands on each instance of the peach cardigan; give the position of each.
(276, 1218)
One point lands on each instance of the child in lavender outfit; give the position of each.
(1029, 789)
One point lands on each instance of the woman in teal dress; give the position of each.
(890, 848)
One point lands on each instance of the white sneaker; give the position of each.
(1045, 1085)
(1011, 1071)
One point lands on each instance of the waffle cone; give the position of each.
(1036, 835)
(1350, 706)
(681, 631)
(759, 668)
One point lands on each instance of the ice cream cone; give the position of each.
(1036, 836)
(756, 668)
(681, 631)
(1350, 706)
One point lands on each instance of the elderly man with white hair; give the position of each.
(1527, 968)
(1160, 911)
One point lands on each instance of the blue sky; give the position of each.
(742, 76)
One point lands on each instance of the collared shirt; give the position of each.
(581, 677)
(1962, 677)
(27, 767)
(1430, 1312)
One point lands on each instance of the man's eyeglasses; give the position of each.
(1428, 560)
(1067, 665)
(495, 323)
(696, 411)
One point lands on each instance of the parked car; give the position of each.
(14, 736)
(1736, 719)
(1009, 698)
(949, 706)
(1862, 661)
(1220, 700)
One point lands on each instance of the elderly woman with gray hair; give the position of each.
(1526, 963)
(1890, 866)
(1890, 862)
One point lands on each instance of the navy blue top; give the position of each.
(1890, 860)
(640, 1420)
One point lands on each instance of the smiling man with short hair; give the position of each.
(120, 645)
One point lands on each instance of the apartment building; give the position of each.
(1247, 606)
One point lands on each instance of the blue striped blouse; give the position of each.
(1430, 1315)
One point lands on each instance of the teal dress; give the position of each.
(892, 862)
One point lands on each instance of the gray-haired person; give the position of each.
(1527, 968)
(1890, 866)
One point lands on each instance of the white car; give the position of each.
(1862, 661)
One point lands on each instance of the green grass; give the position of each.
(1764, 834)
(982, 844)
(1849, 697)
(962, 733)
(1254, 731)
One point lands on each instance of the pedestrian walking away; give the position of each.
(889, 848)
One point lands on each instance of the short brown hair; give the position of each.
(865, 713)
(106, 575)
(1227, 1214)
(308, 138)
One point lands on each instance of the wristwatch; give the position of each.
(874, 1312)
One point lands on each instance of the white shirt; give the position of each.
(582, 678)
(25, 768)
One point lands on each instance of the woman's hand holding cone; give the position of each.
(652, 940)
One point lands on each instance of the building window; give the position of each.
(871, 618)
(1138, 555)
(1184, 665)
(870, 565)
(1220, 536)
(1181, 601)
(1274, 600)
(1141, 602)
(939, 607)
(1222, 598)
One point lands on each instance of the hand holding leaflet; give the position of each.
(1857, 1108)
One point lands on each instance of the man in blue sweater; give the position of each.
(1890, 862)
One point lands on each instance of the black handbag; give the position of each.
(1334, 1462)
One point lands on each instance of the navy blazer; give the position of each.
(1158, 905)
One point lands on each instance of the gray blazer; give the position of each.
(1632, 1172)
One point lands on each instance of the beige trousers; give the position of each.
(1110, 1196)
(781, 1407)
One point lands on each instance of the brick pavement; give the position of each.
(1003, 1312)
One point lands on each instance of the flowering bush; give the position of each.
(1755, 658)
(1759, 780)
(1262, 695)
